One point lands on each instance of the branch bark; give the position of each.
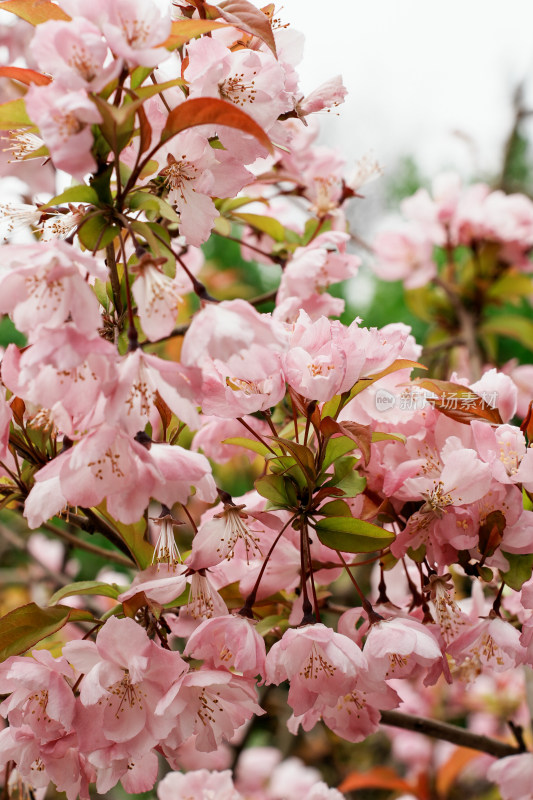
(450, 733)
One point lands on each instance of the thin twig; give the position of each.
(117, 558)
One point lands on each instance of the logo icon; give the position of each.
(384, 400)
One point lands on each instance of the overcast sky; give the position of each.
(424, 77)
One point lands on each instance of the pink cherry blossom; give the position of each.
(125, 677)
(64, 120)
(212, 704)
(46, 285)
(228, 642)
(513, 776)
(200, 784)
(252, 80)
(398, 648)
(134, 29)
(75, 53)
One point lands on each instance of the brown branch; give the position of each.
(110, 555)
(450, 733)
(467, 328)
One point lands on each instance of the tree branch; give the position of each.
(450, 733)
(110, 555)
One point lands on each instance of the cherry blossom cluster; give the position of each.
(491, 223)
(174, 127)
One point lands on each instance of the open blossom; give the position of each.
(157, 295)
(513, 775)
(142, 380)
(252, 380)
(315, 267)
(251, 79)
(158, 299)
(125, 675)
(44, 284)
(193, 173)
(399, 648)
(75, 54)
(504, 448)
(64, 119)
(318, 663)
(39, 694)
(135, 29)
(217, 538)
(200, 784)
(64, 375)
(228, 642)
(492, 644)
(222, 330)
(404, 254)
(212, 704)
(109, 464)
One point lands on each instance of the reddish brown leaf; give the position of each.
(18, 408)
(527, 425)
(246, 17)
(27, 76)
(211, 111)
(491, 532)
(360, 434)
(452, 768)
(164, 412)
(145, 130)
(459, 402)
(377, 778)
(35, 11)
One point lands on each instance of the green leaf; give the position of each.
(336, 508)
(352, 535)
(101, 183)
(144, 92)
(74, 194)
(515, 327)
(97, 232)
(139, 75)
(352, 484)
(212, 111)
(381, 436)
(86, 587)
(302, 454)
(278, 490)
(336, 448)
(520, 569)
(117, 123)
(268, 624)
(26, 626)
(287, 465)
(133, 536)
(250, 444)
(229, 204)
(512, 284)
(269, 225)
(346, 477)
(149, 202)
(13, 114)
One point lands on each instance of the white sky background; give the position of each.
(417, 71)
